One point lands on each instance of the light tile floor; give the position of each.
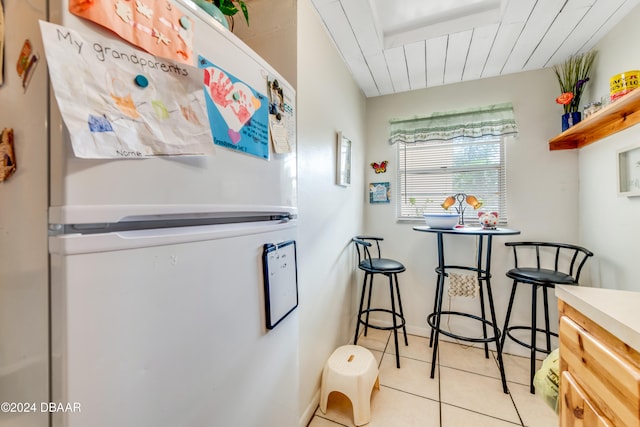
(467, 390)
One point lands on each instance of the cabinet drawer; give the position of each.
(576, 410)
(610, 382)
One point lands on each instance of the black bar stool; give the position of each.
(565, 264)
(390, 268)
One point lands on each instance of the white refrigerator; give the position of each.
(132, 291)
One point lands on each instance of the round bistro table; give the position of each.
(483, 271)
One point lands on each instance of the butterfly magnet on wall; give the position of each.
(380, 167)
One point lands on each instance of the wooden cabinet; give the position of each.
(578, 410)
(600, 375)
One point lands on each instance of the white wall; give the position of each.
(328, 101)
(609, 223)
(24, 305)
(542, 190)
(290, 36)
(272, 34)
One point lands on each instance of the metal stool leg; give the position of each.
(404, 327)
(395, 324)
(505, 328)
(364, 289)
(534, 304)
(547, 331)
(366, 323)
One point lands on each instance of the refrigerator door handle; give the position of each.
(79, 214)
(70, 244)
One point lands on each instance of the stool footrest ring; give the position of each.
(383, 328)
(432, 323)
(524, 344)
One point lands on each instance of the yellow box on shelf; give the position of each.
(623, 83)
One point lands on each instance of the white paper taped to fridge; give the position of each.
(121, 102)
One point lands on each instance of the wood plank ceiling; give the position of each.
(424, 43)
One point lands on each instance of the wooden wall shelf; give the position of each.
(623, 113)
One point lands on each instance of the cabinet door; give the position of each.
(611, 381)
(575, 409)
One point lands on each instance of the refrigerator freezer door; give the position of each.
(226, 177)
(172, 334)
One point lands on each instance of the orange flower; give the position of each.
(565, 98)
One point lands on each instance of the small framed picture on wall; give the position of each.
(629, 172)
(343, 160)
(379, 192)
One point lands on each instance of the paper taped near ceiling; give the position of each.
(158, 27)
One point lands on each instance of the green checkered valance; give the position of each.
(494, 120)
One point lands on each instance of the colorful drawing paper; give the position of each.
(238, 114)
(157, 26)
(120, 102)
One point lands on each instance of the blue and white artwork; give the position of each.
(238, 114)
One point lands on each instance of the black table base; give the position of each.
(490, 330)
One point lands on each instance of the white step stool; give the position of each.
(351, 370)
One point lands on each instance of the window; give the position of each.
(431, 171)
(450, 153)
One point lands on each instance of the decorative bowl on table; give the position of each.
(441, 220)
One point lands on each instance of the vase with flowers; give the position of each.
(573, 75)
(223, 11)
